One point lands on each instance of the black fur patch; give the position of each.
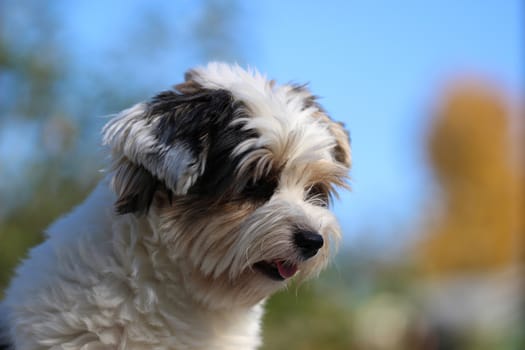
(202, 123)
(261, 190)
(135, 188)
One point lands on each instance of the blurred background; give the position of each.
(432, 93)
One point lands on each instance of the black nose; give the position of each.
(308, 242)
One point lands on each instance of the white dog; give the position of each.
(217, 197)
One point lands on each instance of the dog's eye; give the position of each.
(262, 189)
(318, 195)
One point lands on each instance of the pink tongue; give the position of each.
(286, 270)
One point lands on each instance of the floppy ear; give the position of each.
(165, 143)
(342, 150)
(135, 188)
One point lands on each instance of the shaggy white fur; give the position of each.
(216, 199)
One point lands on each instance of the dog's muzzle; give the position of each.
(308, 242)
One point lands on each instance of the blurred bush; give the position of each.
(308, 318)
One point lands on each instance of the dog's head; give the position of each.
(239, 173)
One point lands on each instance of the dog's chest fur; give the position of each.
(120, 293)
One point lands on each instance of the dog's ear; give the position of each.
(169, 142)
(135, 188)
(342, 151)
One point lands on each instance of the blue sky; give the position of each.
(378, 66)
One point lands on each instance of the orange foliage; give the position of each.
(480, 224)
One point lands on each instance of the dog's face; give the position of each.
(237, 172)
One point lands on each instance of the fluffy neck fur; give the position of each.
(133, 295)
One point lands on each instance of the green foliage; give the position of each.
(307, 318)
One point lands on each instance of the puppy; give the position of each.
(217, 196)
